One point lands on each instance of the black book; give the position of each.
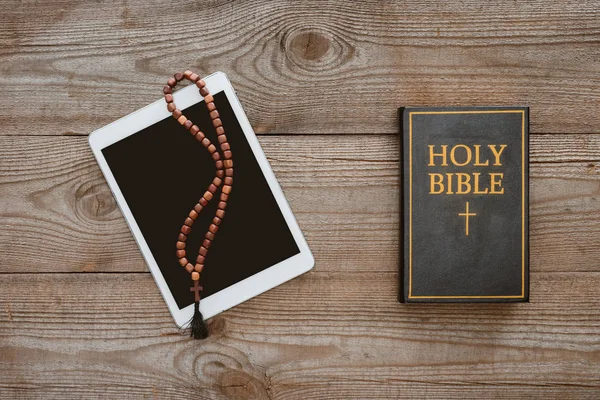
(465, 213)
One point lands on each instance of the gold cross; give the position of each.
(467, 214)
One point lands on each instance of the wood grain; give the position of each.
(55, 202)
(80, 316)
(301, 67)
(320, 336)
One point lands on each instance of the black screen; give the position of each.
(163, 171)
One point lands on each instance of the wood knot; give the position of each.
(310, 45)
(242, 385)
(218, 326)
(94, 201)
(315, 49)
(231, 371)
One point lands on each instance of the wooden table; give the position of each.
(80, 315)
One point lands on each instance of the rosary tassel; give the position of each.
(199, 329)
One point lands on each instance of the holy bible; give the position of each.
(464, 204)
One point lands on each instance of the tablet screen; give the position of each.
(162, 171)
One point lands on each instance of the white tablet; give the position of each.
(158, 171)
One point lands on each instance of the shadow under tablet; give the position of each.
(163, 171)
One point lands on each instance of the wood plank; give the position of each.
(323, 335)
(58, 214)
(301, 67)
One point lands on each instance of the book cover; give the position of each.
(465, 204)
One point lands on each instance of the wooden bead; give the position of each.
(223, 174)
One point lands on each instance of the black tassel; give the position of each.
(199, 329)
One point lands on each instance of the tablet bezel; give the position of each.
(247, 288)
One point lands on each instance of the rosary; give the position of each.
(224, 176)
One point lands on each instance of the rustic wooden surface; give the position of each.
(81, 317)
